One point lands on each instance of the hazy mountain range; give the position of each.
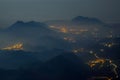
(37, 36)
(34, 35)
(47, 55)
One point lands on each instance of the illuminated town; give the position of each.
(95, 62)
(18, 46)
(98, 62)
(59, 39)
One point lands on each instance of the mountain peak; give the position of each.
(83, 19)
(29, 22)
(21, 24)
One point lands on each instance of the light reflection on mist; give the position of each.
(38, 36)
(34, 37)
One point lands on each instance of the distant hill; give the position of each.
(15, 59)
(87, 20)
(28, 28)
(21, 24)
(34, 35)
(77, 20)
(66, 67)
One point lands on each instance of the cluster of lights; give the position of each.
(64, 29)
(109, 45)
(92, 63)
(96, 61)
(101, 62)
(18, 46)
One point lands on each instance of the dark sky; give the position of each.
(41, 10)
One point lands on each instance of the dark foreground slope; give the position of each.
(63, 67)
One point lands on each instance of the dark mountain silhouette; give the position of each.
(35, 36)
(21, 24)
(14, 59)
(63, 67)
(67, 67)
(29, 28)
(79, 20)
(86, 20)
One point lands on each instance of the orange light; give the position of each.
(18, 46)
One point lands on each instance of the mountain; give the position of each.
(79, 20)
(66, 67)
(62, 67)
(86, 20)
(31, 24)
(28, 28)
(35, 36)
(15, 59)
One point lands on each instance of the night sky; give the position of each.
(42, 10)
